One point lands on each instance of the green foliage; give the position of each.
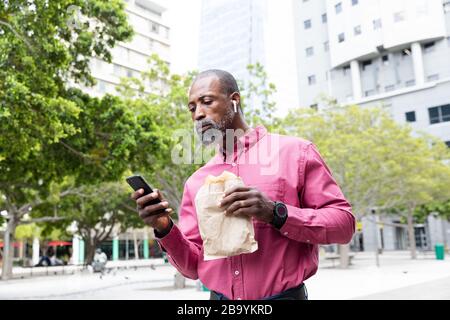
(377, 162)
(257, 92)
(39, 51)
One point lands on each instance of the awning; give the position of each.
(15, 244)
(59, 243)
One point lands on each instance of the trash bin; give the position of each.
(440, 252)
(204, 288)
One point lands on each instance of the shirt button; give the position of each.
(236, 272)
(286, 233)
(233, 164)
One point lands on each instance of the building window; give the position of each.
(357, 30)
(326, 46)
(346, 70)
(101, 86)
(447, 6)
(312, 80)
(341, 37)
(439, 114)
(410, 116)
(377, 24)
(309, 51)
(368, 93)
(366, 63)
(338, 8)
(389, 88)
(433, 77)
(447, 143)
(410, 83)
(154, 27)
(307, 24)
(429, 47)
(324, 18)
(399, 16)
(385, 60)
(117, 71)
(355, 2)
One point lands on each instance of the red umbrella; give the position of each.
(59, 243)
(15, 244)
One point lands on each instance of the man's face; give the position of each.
(210, 108)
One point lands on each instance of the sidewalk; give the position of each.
(364, 278)
(398, 277)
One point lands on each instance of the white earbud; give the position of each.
(235, 106)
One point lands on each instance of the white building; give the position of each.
(130, 58)
(236, 33)
(393, 53)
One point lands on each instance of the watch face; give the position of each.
(281, 210)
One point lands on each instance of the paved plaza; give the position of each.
(398, 277)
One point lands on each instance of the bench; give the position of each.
(334, 256)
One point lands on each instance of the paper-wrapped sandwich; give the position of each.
(223, 236)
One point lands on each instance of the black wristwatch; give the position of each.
(280, 214)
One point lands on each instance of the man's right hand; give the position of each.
(155, 216)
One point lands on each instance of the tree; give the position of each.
(95, 212)
(39, 52)
(377, 162)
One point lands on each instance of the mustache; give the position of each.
(204, 123)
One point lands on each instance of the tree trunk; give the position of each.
(411, 234)
(344, 260)
(136, 246)
(90, 250)
(8, 248)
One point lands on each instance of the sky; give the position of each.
(183, 17)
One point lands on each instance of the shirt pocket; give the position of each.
(274, 191)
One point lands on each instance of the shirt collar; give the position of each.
(244, 143)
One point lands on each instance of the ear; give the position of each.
(236, 98)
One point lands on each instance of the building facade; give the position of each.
(129, 59)
(237, 33)
(390, 53)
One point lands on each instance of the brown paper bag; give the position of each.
(223, 236)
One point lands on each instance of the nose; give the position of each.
(199, 114)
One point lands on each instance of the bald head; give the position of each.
(228, 84)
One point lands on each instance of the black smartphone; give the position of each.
(138, 182)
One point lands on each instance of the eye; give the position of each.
(191, 108)
(207, 102)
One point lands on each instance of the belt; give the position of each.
(296, 293)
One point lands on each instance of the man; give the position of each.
(291, 196)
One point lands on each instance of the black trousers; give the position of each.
(297, 293)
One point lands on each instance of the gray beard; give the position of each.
(216, 132)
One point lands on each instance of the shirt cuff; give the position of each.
(171, 241)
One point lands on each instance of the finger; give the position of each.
(160, 195)
(137, 194)
(247, 212)
(144, 199)
(238, 205)
(153, 209)
(236, 196)
(236, 189)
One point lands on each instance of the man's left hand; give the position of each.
(247, 201)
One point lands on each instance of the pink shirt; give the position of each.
(286, 169)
